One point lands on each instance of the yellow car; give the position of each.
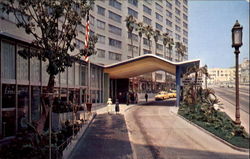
(172, 94)
(161, 95)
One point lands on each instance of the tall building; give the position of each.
(221, 75)
(114, 41)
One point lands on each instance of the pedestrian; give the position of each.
(146, 97)
(109, 105)
(127, 98)
(136, 98)
(117, 108)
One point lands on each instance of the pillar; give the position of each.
(178, 85)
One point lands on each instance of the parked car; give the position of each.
(161, 95)
(172, 94)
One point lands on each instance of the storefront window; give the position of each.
(8, 61)
(35, 69)
(9, 122)
(64, 94)
(83, 75)
(45, 75)
(23, 105)
(9, 96)
(71, 77)
(64, 77)
(35, 103)
(77, 74)
(22, 66)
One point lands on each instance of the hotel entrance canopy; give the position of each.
(149, 63)
(145, 64)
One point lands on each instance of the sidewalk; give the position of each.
(106, 138)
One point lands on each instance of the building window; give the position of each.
(8, 61)
(35, 103)
(146, 51)
(23, 106)
(101, 53)
(158, 26)
(135, 49)
(79, 44)
(101, 39)
(100, 24)
(185, 2)
(115, 4)
(159, 47)
(71, 75)
(147, 10)
(169, 14)
(185, 41)
(115, 43)
(158, 7)
(177, 11)
(178, 3)
(177, 28)
(77, 74)
(83, 76)
(177, 37)
(168, 4)
(185, 16)
(169, 23)
(177, 20)
(185, 25)
(115, 56)
(185, 32)
(115, 30)
(170, 33)
(132, 12)
(133, 2)
(135, 37)
(22, 66)
(147, 20)
(159, 17)
(148, 1)
(145, 41)
(100, 10)
(185, 9)
(158, 76)
(160, 55)
(115, 17)
(35, 69)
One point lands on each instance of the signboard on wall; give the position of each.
(186, 81)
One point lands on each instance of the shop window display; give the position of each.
(35, 103)
(23, 105)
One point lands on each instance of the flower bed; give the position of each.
(216, 122)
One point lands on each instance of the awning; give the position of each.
(144, 64)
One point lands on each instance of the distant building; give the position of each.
(221, 75)
(244, 72)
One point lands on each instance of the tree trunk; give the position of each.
(132, 45)
(140, 47)
(47, 102)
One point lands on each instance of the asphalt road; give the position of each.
(228, 94)
(157, 133)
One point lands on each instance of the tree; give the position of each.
(156, 35)
(140, 29)
(149, 33)
(181, 49)
(167, 41)
(130, 24)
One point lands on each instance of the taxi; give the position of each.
(161, 95)
(172, 94)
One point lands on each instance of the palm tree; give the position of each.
(167, 40)
(181, 49)
(140, 29)
(130, 24)
(149, 33)
(156, 34)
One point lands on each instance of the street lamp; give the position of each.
(237, 43)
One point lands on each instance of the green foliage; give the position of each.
(217, 122)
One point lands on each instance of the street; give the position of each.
(227, 97)
(157, 133)
(228, 94)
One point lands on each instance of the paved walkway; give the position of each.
(106, 138)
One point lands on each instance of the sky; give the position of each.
(210, 36)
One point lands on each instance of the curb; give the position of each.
(69, 149)
(211, 134)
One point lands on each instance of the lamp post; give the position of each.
(237, 43)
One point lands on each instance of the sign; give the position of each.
(186, 81)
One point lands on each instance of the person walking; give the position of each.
(146, 97)
(109, 105)
(117, 108)
(127, 98)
